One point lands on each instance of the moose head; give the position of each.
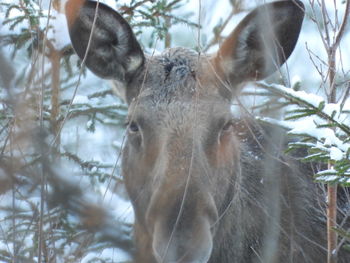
(192, 179)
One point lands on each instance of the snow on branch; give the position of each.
(323, 128)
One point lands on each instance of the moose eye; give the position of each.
(132, 127)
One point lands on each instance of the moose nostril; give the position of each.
(191, 244)
(185, 237)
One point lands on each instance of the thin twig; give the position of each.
(346, 96)
(41, 121)
(217, 34)
(342, 28)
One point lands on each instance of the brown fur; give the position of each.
(252, 183)
(72, 10)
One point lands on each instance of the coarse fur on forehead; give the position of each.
(177, 91)
(177, 74)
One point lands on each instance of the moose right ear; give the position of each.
(114, 52)
(261, 42)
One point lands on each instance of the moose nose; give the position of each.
(188, 245)
(183, 232)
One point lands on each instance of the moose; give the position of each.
(206, 186)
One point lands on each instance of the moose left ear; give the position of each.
(261, 43)
(114, 52)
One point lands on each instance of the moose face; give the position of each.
(180, 156)
(181, 161)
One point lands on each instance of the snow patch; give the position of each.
(80, 99)
(312, 99)
(58, 31)
(336, 154)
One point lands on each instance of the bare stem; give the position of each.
(332, 50)
(41, 121)
(167, 42)
(55, 58)
(332, 236)
(332, 98)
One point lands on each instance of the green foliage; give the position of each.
(156, 16)
(29, 14)
(323, 129)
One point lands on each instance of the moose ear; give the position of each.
(114, 52)
(261, 43)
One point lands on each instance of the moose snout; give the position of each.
(183, 230)
(187, 244)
